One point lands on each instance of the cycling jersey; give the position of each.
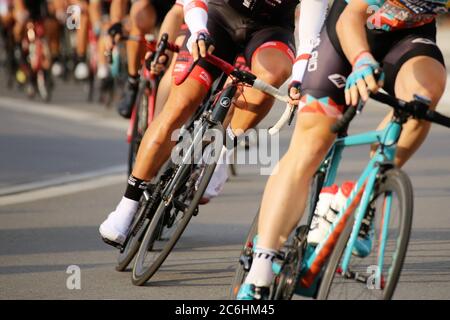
(328, 68)
(263, 9)
(390, 15)
(235, 34)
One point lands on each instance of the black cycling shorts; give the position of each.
(37, 9)
(161, 8)
(235, 34)
(328, 67)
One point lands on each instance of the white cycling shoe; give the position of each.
(81, 71)
(115, 228)
(57, 69)
(219, 177)
(102, 71)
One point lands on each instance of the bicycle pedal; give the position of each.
(112, 243)
(179, 205)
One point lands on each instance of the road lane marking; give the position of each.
(58, 111)
(63, 186)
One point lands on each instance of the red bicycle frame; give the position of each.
(152, 79)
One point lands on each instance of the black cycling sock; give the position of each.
(135, 188)
(81, 58)
(133, 81)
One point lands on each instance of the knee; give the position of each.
(275, 76)
(306, 158)
(432, 91)
(142, 16)
(422, 76)
(177, 108)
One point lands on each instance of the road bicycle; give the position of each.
(145, 210)
(382, 196)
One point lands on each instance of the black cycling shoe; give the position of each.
(125, 106)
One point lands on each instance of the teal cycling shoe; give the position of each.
(363, 245)
(251, 292)
(364, 242)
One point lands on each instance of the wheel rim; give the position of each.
(159, 241)
(367, 278)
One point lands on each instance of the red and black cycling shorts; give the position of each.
(235, 35)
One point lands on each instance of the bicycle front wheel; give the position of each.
(169, 223)
(139, 226)
(245, 259)
(375, 276)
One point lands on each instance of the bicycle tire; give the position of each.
(139, 126)
(395, 181)
(240, 273)
(132, 246)
(139, 276)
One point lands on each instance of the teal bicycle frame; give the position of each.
(360, 196)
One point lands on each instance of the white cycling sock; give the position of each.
(261, 273)
(122, 216)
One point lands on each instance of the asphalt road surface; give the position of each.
(62, 170)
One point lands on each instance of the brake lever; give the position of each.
(360, 106)
(292, 115)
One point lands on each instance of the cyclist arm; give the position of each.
(172, 22)
(310, 21)
(196, 18)
(351, 31)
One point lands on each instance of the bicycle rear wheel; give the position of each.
(245, 259)
(375, 276)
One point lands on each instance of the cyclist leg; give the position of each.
(81, 71)
(414, 66)
(21, 16)
(286, 192)
(271, 53)
(157, 143)
(142, 20)
(170, 25)
(53, 34)
(181, 103)
(99, 16)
